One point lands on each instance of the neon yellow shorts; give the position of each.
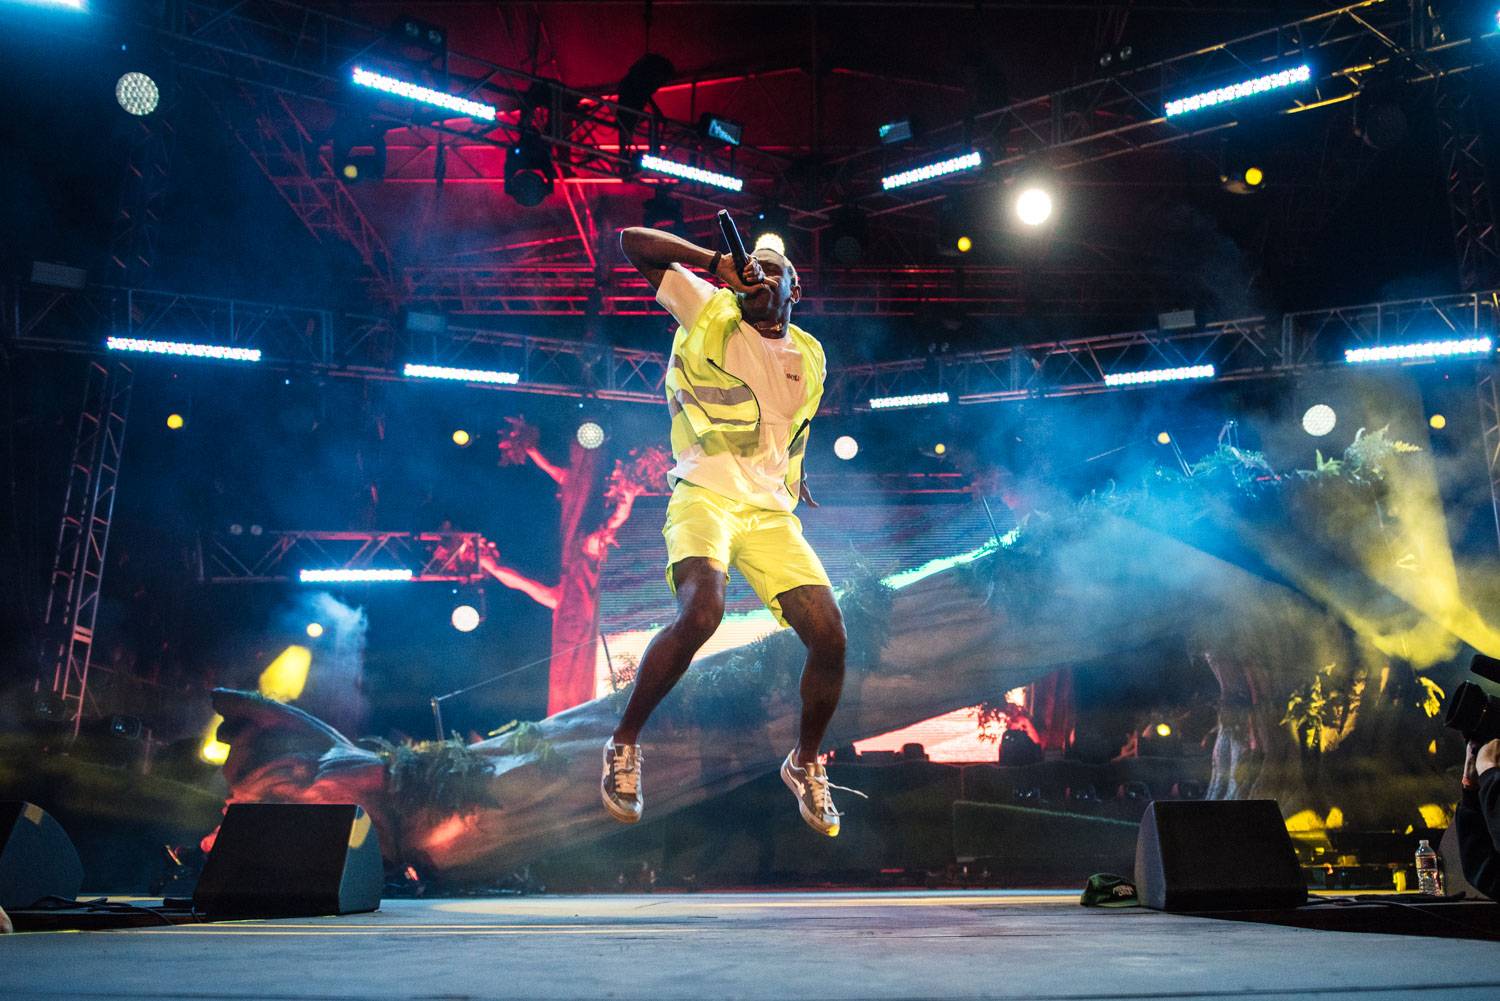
(766, 547)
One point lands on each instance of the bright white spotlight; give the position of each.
(1463, 347)
(662, 165)
(932, 171)
(1243, 89)
(590, 435)
(183, 349)
(465, 618)
(315, 629)
(423, 95)
(914, 400)
(771, 241)
(461, 374)
(1159, 375)
(845, 447)
(1034, 206)
(137, 93)
(352, 576)
(1319, 420)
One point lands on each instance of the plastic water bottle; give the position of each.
(1429, 873)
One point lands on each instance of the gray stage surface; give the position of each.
(824, 946)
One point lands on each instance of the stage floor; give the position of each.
(705, 947)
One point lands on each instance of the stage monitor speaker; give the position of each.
(291, 860)
(37, 858)
(1216, 855)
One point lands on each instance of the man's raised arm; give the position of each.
(653, 251)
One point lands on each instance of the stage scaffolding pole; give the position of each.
(1489, 422)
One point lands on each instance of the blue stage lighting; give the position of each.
(915, 400)
(1466, 347)
(461, 374)
(352, 576)
(1237, 91)
(218, 352)
(423, 95)
(661, 165)
(1159, 375)
(932, 171)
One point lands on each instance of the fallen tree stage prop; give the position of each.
(1314, 598)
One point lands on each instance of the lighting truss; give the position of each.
(661, 165)
(942, 168)
(1467, 347)
(423, 95)
(461, 374)
(343, 576)
(218, 352)
(913, 400)
(1153, 375)
(1279, 80)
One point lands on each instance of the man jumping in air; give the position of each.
(742, 387)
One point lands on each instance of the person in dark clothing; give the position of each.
(1478, 819)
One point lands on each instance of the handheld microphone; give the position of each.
(732, 240)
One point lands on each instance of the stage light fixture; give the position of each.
(1237, 91)
(528, 170)
(315, 629)
(1159, 375)
(78, 5)
(461, 438)
(423, 34)
(964, 244)
(137, 93)
(645, 77)
(895, 132)
(590, 435)
(213, 750)
(460, 374)
(423, 95)
(465, 618)
(932, 171)
(342, 576)
(1437, 422)
(844, 239)
(1033, 206)
(940, 449)
(1163, 729)
(771, 241)
(720, 129)
(912, 400)
(1163, 438)
(1466, 347)
(182, 349)
(415, 321)
(175, 422)
(671, 168)
(1319, 419)
(1254, 176)
(845, 447)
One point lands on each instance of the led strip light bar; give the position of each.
(1465, 347)
(917, 400)
(953, 165)
(1236, 91)
(1159, 375)
(351, 576)
(461, 374)
(423, 95)
(661, 165)
(183, 349)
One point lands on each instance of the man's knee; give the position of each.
(828, 640)
(698, 618)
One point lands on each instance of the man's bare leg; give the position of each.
(812, 611)
(700, 605)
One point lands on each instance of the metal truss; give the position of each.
(137, 221)
(1466, 181)
(276, 557)
(83, 536)
(1489, 421)
(1124, 114)
(374, 348)
(1252, 348)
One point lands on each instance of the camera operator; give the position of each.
(1478, 818)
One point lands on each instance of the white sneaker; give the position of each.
(621, 784)
(811, 787)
